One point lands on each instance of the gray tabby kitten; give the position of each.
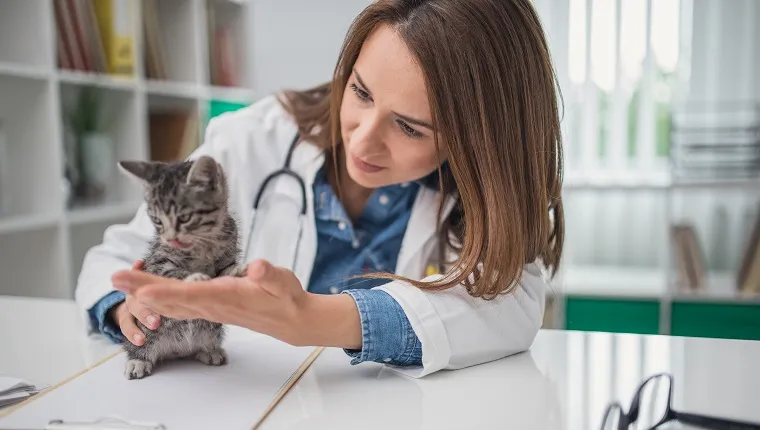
(196, 239)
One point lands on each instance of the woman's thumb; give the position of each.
(259, 270)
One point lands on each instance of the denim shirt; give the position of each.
(371, 244)
(345, 249)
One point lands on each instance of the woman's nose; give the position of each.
(367, 138)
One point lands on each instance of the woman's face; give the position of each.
(385, 117)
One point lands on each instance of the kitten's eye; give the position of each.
(183, 218)
(154, 219)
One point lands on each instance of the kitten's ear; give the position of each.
(142, 170)
(204, 172)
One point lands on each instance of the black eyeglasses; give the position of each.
(651, 408)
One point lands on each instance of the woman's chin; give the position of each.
(368, 180)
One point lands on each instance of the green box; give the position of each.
(612, 315)
(218, 107)
(716, 320)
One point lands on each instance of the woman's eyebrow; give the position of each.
(404, 117)
(414, 121)
(361, 82)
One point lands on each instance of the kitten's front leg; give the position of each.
(216, 357)
(209, 340)
(140, 361)
(138, 369)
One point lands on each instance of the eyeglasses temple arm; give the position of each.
(715, 423)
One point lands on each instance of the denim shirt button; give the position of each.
(355, 243)
(383, 199)
(386, 360)
(342, 225)
(334, 290)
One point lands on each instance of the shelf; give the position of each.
(173, 89)
(99, 80)
(232, 94)
(107, 212)
(27, 223)
(740, 183)
(189, 91)
(655, 182)
(25, 71)
(610, 281)
(39, 236)
(644, 283)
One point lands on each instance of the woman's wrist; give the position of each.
(328, 320)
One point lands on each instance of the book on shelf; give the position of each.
(689, 258)
(155, 63)
(748, 279)
(173, 135)
(221, 48)
(95, 36)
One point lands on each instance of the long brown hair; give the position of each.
(491, 89)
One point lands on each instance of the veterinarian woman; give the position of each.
(431, 162)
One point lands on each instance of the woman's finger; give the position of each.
(129, 280)
(138, 265)
(143, 314)
(200, 299)
(130, 330)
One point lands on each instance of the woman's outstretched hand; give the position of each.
(268, 300)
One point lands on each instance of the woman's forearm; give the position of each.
(329, 320)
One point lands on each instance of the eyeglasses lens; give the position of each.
(653, 403)
(612, 418)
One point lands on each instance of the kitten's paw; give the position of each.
(216, 357)
(239, 271)
(236, 271)
(138, 369)
(197, 277)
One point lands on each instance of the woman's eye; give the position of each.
(408, 130)
(183, 218)
(363, 95)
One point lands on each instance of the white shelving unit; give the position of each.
(42, 241)
(649, 283)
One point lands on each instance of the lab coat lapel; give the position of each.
(421, 228)
(307, 160)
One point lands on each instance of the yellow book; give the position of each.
(116, 25)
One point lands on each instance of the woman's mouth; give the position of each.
(364, 166)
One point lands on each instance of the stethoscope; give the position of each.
(285, 170)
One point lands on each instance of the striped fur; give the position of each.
(196, 238)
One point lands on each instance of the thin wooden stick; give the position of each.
(288, 385)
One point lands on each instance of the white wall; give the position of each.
(295, 43)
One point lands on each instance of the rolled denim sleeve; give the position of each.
(99, 316)
(387, 335)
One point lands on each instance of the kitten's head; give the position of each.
(186, 201)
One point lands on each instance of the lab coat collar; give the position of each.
(308, 159)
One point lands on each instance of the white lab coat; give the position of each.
(455, 329)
